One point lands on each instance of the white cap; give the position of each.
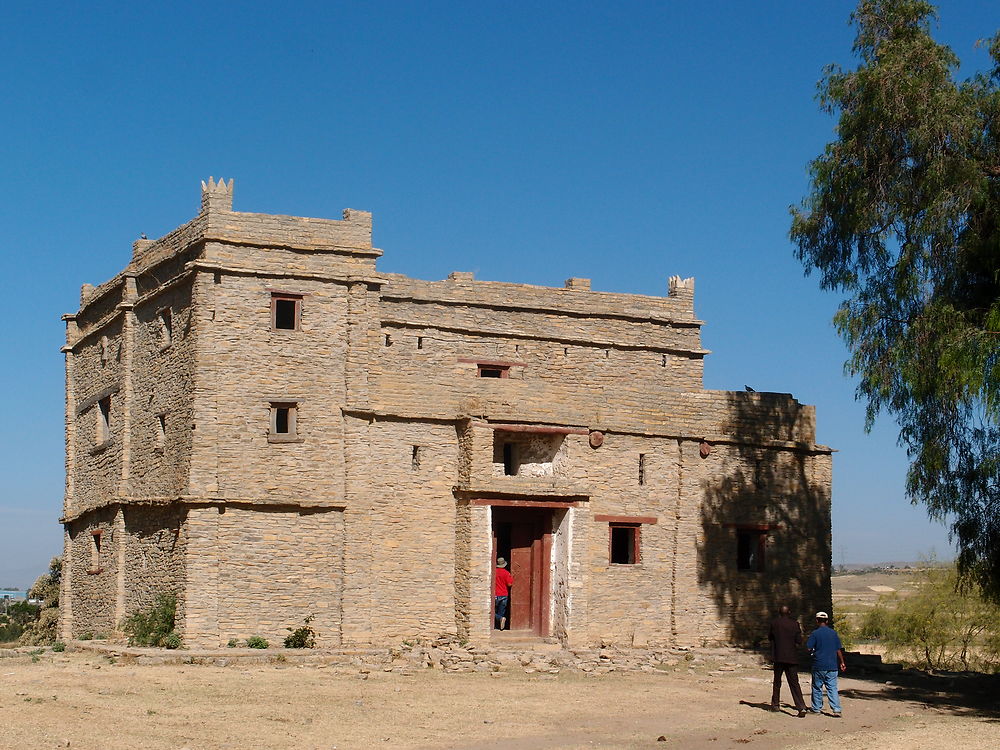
(822, 616)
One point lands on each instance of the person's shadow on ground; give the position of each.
(791, 711)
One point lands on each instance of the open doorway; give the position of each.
(523, 536)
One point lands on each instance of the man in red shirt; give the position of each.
(503, 580)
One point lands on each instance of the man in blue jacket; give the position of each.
(828, 658)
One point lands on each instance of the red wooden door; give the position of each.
(530, 544)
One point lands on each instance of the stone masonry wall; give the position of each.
(256, 571)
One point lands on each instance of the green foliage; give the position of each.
(171, 640)
(941, 626)
(846, 631)
(303, 637)
(255, 641)
(233, 643)
(153, 626)
(59, 646)
(88, 636)
(903, 217)
(19, 616)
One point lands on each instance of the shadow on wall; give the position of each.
(765, 519)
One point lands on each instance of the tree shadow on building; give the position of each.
(765, 516)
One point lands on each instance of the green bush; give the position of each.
(940, 626)
(152, 626)
(233, 643)
(304, 637)
(255, 641)
(88, 636)
(171, 640)
(59, 646)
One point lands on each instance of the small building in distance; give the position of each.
(262, 422)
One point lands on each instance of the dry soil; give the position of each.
(86, 701)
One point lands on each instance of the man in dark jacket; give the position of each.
(786, 637)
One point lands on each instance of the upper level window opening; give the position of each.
(420, 342)
(509, 459)
(642, 468)
(415, 458)
(161, 431)
(286, 312)
(166, 324)
(493, 371)
(387, 340)
(95, 552)
(624, 543)
(750, 549)
(105, 350)
(104, 420)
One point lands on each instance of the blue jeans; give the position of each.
(500, 609)
(827, 678)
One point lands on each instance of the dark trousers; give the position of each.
(500, 610)
(791, 672)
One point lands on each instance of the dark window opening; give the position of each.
(286, 313)
(283, 419)
(388, 340)
(664, 362)
(509, 463)
(493, 371)
(104, 420)
(642, 468)
(415, 458)
(420, 342)
(95, 551)
(624, 544)
(161, 430)
(166, 327)
(750, 550)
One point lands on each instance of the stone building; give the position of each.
(264, 423)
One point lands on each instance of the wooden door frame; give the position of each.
(541, 564)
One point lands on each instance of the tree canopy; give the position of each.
(903, 217)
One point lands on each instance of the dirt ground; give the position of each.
(86, 701)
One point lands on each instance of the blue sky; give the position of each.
(529, 142)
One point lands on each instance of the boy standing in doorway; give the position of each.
(503, 580)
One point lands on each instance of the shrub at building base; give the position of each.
(154, 626)
(304, 637)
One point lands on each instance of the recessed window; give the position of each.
(284, 418)
(95, 551)
(624, 543)
(493, 371)
(161, 431)
(420, 342)
(509, 459)
(387, 340)
(415, 458)
(105, 350)
(104, 420)
(286, 312)
(166, 327)
(750, 549)
(642, 468)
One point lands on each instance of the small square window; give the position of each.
(284, 418)
(104, 420)
(624, 543)
(493, 371)
(750, 549)
(286, 312)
